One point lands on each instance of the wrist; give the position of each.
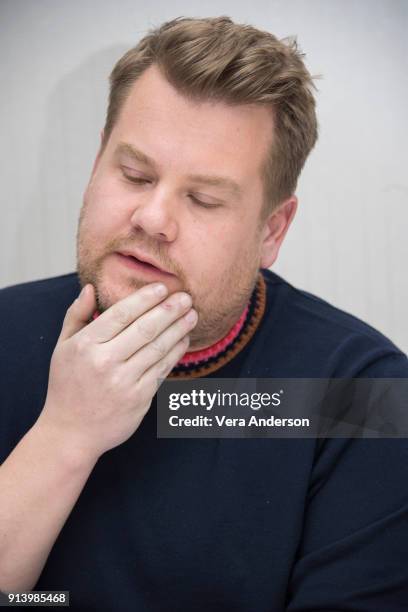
(73, 453)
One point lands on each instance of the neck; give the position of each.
(204, 352)
(202, 362)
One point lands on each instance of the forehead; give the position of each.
(181, 133)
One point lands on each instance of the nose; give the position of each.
(155, 214)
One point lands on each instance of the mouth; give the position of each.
(141, 265)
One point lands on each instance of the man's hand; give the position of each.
(104, 374)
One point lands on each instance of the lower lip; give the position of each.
(142, 267)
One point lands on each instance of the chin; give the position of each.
(108, 294)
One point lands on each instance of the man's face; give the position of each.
(178, 184)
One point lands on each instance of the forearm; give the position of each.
(40, 482)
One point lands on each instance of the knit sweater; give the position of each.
(246, 525)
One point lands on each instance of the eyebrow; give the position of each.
(206, 179)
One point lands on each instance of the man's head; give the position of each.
(208, 127)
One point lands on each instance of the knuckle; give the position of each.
(101, 362)
(165, 368)
(144, 395)
(115, 380)
(158, 349)
(82, 344)
(147, 331)
(122, 316)
(168, 305)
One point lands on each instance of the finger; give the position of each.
(117, 318)
(79, 313)
(157, 350)
(149, 326)
(155, 375)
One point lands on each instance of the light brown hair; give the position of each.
(215, 59)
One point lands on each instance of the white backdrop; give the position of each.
(348, 243)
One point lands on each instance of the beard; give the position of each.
(219, 300)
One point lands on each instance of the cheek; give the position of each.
(104, 210)
(211, 250)
(231, 238)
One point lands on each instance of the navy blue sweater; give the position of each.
(247, 525)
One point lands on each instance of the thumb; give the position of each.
(78, 314)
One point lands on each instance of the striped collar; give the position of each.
(203, 362)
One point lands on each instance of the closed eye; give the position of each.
(144, 181)
(137, 180)
(201, 203)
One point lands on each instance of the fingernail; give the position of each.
(160, 290)
(185, 299)
(191, 316)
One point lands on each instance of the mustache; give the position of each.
(154, 250)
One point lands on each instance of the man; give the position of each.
(191, 194)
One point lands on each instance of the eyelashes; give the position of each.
(203, 204)
(142, 181)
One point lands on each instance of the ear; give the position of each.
(275, 227)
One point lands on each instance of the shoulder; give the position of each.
(39, 288)
(29, 295)
(31, 316)
(36, 308)
(324, 335)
